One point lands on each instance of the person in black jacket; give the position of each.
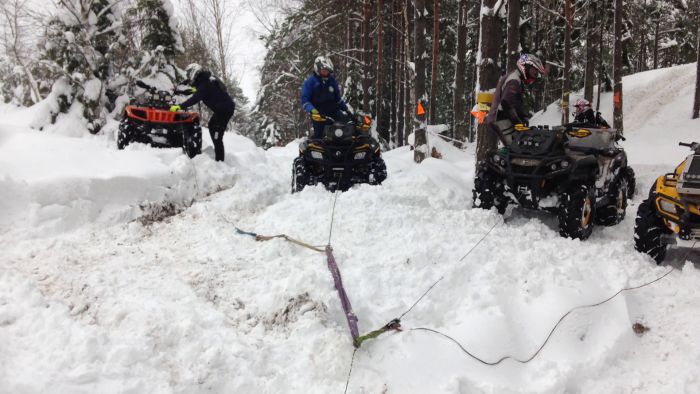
(212, 92)
(508, 107)
(585, 115)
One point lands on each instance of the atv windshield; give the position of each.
(694, 167)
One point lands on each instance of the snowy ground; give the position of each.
(92, 299)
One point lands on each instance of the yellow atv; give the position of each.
(672, 210)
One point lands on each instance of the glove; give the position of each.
(175, 108)
(316, 116)
(193, 90)
(521, 127)
(503, 151)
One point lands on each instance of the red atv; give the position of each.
(148, 119)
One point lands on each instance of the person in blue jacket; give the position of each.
(212, 92)
(320, 96)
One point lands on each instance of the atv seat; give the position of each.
(600, 139)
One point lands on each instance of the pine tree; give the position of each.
(419, 130)
(157, 25)
(617, 67)
(490, 40)
(78, 46)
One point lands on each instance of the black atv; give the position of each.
(580, 173)
(148, 119)
(346, 155)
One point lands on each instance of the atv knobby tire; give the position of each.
(628, 174)
(192, 142)
(614, 212)
(300, 176)
(377, 171)
(649, 230)
(488, 190)
(577, 212)
(123, 136)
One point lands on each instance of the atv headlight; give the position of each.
(667, 206)
(553, 166)
(564, 164)
(360, 155)
(316, 155)
(499, 160)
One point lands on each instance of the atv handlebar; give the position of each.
(153, 89)
(692, 145)
(143, 85)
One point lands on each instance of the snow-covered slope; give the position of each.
(91, 301)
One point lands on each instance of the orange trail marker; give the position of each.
(420, 110)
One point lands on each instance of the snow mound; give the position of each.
(51, 183)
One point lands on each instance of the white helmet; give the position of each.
(192, 71)
(321, 63)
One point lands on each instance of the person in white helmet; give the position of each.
(320, 96)
(212, 92)
(508, 108)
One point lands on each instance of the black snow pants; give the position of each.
(217, 127)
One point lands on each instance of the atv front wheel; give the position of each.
(488, 190)
(377, 171)
(613, 213)
(628, 174)
(300, 177)
(649, 230)
(192, 141)
(123, 136)
(576, 212)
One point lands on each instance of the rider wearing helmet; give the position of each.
(508, 108)
(320, 96)
(212, 92)
(585, 115)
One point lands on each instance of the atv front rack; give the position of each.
(154, 115)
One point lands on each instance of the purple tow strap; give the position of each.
(349, 314)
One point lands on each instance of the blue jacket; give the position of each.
(322, 95)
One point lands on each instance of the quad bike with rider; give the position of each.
(148, 119)
(577, 172)
(672, 210)
(346, 155)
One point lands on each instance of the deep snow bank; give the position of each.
(51, 183)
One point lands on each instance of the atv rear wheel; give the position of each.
(377, 171)
(614, 212)
(300, 176)
(649, 230)
(488, 190)
(576, 212)
(192, 141)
